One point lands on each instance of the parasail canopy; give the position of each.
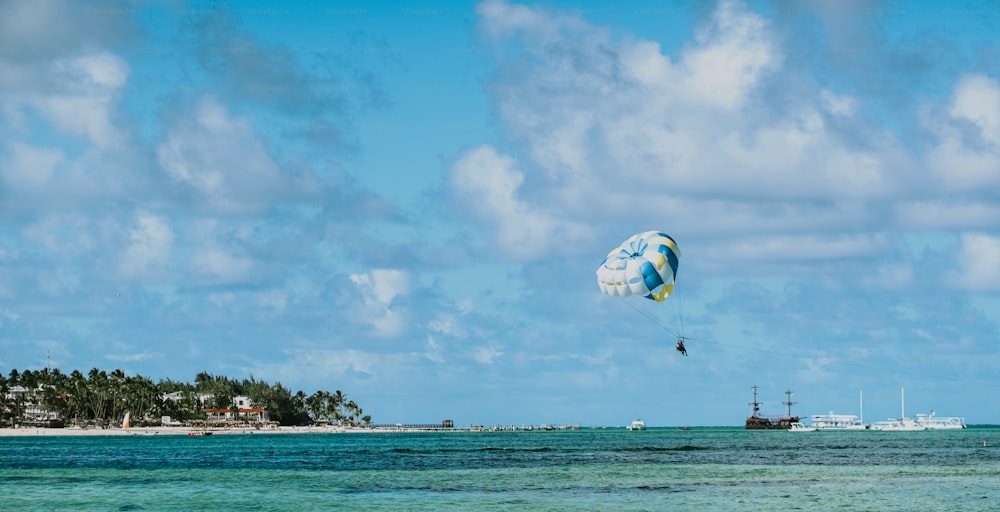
(644, 265)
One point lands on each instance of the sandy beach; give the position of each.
(168, 431)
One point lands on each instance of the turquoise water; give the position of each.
(589, 469)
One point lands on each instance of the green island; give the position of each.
(99, 399)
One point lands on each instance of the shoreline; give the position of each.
(200, 431)
(223, 430)
(182, 431)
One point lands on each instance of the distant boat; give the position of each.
(903, 423)
(199, 433)
(932, 422)
(833, 421)
(637, 425)
(898, 424)
(756, 421)
(800, 427)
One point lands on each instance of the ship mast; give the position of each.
(755, 404)
(902, 404)
(861, 404)
(789, 402)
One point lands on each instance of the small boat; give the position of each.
(800, 427)
(199, 433)
(932, 422)
(833, 421)
(637, 425)
(903, 423)
(898, 424)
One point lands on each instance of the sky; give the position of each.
(408, 201)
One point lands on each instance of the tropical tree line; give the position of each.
(103, 398)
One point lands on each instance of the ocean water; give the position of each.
(701, 469)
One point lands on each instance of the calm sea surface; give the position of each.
(591, 469)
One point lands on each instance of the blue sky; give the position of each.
(408, 202)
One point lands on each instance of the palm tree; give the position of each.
(56, 400)
(7, 413)
(141, 398)
(285, 408)
(316, 404)
(117, 393)
(98, 394)
(337, 405)
(298, 406)
(76, 388)
(352, 412)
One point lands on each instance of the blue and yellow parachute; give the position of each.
(644, 265)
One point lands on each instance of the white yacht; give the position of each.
(901, 423)
(932, 422)
(833, 421)
(637, 425)
(897, 424)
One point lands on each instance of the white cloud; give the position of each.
(219, 266)
(446, 324)
(433, 352)
(218, 255)
(130, 358)
(618, 130)
(500, 18)
(9, 315)
(731, 54)
(222, 161)
(320, 365)
(86, 104)
(487, 184)
(27, 168)
(977, 100)
(62, 235)
(838, 104)
(388, 283)
(486, 355)
(818, 369)
(32, 32)
(69, 90)
(809, 247)
(274, 300)
(380, 287)
(69, 144)
(223, 298)
(968, 154)
(946, 214)
(978, 263)
(148, 252)
(892, 277)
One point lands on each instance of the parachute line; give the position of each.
(643, 271)
(651, 317)
(680, 312)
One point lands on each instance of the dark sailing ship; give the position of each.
(758, 422)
